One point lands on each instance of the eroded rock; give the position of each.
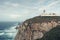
(32, 30)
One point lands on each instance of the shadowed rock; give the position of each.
(53, 34)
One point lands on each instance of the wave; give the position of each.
(1, 33)
(11, 32)
(8, 33)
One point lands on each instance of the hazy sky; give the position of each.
(20, 10)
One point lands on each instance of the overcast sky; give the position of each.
(20, 10)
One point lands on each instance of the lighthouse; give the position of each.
(47, 14)
(44, 13)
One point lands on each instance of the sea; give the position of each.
(8, 30)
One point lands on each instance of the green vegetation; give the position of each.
(43, 18)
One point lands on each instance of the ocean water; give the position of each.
(7, 30)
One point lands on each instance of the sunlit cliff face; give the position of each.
(36, 30)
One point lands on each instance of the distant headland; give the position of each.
(35, 28)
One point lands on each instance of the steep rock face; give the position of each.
(53, 34)
(36, 27)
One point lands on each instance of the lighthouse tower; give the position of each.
(44, 13)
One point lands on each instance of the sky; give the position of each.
(20, 10)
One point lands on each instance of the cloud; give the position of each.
(12, 4)
(53, 3)
(14, 16)
(15, 4)
(24, 9)
(49, 5)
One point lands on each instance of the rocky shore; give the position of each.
(35, 28)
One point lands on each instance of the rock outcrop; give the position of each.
(35, 28)
(53, 34)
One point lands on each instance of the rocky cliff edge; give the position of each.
(36, 27)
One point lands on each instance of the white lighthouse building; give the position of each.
(48, 14)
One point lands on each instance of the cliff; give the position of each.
(35, 28)
(53, 34)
